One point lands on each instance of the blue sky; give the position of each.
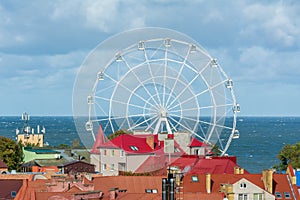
(43, 44)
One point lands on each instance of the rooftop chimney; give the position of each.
(267, 176)
(208, 183)
(150, 141)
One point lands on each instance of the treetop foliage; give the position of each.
(11, 153)
(289, 155)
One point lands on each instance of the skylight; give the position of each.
(287, 195)
(278, 194)
(134, 148)
(194, 178)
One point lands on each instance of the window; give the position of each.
(134, 148)
(104, 167)
(287, 195)
(243, 197)
(13, 194)
(112, 152)
(278, 195)
(151, 191)
(112, 167)
(243, 185)
(257, 196)
(194, 178)
(105, 152)
(122, 153)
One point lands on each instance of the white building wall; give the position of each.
(95, 160)
(134, 161)
(109, 161)
(244, 186)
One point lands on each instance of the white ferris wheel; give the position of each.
(159, 84)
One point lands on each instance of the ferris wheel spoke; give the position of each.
(188, 99)
(152, 78)
(183, 110)
(123, 86)
(156, 50)
(185, 127)
(165, 76)
(123, 103)
(179, 74)
(188, 85)
(150, 126)
(101, 108)
(139, 80)
(145, 121)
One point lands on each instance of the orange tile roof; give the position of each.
(133, 184)
(16, 176)
(281, 184)
(212, 196)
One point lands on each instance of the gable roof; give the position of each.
(2, 164)
(100, 139)
(139, 144)
(196, 143)
(74, 162)
(217, 180)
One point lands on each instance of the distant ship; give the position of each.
(28, 136)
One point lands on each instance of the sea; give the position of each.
(260, 141)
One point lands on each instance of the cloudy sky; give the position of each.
(43, 44)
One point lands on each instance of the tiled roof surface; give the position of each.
(185, 162)
(9, 185)
(100, 140)
(133, 184)
(217, 180)
(128, 141)
(214, 196)
(215, 166)
(75, 161)
(281, 184)
(2, 164)
(16, 176)
(197, 143)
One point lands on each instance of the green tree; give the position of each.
(11, 153)
(216, 150)
(289, 155)
(117, 133)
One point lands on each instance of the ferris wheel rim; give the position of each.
(93, 116)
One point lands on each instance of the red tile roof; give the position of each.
(137, 144)
(214, 166)
(197, 143)
(100, 139)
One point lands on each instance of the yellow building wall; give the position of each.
(36, 139)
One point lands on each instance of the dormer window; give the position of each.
(287, 195)
(278, 195)
(134, 148)
(195, 179)
(155, 191)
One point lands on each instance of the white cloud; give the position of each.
(36, 72)
(272, 24)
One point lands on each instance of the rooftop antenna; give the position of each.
(26, 128)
